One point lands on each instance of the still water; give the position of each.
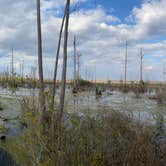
(141, 108)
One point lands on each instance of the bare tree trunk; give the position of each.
(22, 74)
(12, 65)
(40, 63)
(75, 61)
(78, 67)
(54, 124)
(57, 59)
(125, 79)
(64, 70)
(141, 66)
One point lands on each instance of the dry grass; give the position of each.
(109, 139)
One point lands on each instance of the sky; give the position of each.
(101, 27)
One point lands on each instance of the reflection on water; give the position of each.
(86, 102)
(160, 127)
(6, 159)
(141, 108)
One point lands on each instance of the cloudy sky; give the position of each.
(101, 27)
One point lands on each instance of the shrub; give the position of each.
(110, 138)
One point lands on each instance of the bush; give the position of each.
(82, 82)
(110, 138)
(161, 95)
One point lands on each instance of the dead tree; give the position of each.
(40, 61)
(141, 64)
(64, 68)
(12, 64)
(57, 59)
(75, 61)
(78, 66)
(22, 69)
(126, 56)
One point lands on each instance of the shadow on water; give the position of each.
(160, 129)
(6, 159)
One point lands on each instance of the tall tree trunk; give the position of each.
(64, 70)
(57, 59)
(75, 63)
(40, 63)
(78, 67)
(12, 65)
(125, 79)
(141, 60)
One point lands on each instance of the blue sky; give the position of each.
(101, 27)
(120, 8)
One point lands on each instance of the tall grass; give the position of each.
(161, 94)
(108, 139)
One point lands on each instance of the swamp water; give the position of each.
(142, 108)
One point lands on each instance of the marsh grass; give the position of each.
(161, 95)
(110, 138)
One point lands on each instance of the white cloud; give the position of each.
(148, 67)
(150, 18)
(101, 36)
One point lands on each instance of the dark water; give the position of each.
(6, 159)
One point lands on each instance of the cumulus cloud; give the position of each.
(100, 37)
(150, 18)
